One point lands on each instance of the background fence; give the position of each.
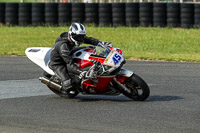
(185, 15)
(98, 1)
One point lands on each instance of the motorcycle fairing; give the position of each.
(93, 57)
(41, 57)
(99, 86)
(81, 57)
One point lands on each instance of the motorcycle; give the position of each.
(105, 72)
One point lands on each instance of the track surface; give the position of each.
(26, 105)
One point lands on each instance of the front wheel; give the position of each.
(139, 90)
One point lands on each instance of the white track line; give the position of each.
(22, 88)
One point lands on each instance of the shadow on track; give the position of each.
(164, 98)
(121, 98)
(90, 98)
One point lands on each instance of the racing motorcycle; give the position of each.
(105, 72)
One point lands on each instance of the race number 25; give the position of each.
(116, 58)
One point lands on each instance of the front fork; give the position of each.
(120, 79)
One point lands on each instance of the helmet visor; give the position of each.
(78, 38)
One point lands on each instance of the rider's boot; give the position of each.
(66, 86)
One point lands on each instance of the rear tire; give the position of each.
(138, 87)
(59, 93)
(67, 96)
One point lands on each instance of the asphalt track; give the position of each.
(27, 106)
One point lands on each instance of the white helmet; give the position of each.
(77, 33)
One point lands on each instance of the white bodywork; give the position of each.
(41, 57)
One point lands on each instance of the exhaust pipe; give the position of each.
(50, 84)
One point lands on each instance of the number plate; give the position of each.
(114, 59)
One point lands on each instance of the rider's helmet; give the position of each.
(77, 33)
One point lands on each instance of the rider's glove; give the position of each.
(109, 44)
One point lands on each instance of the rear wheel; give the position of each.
(138, 88)
(69, 95)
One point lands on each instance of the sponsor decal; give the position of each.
(116, 58)
(34, 50)
(113, 59)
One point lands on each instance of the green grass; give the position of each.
(170, 44)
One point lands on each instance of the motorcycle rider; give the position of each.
(61, 58)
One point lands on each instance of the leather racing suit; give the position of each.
(61, 57)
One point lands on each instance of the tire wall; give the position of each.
(173, 14)
(2, 13)
(197, 15)
(185, 15)
(64, 13)
(24, 14)
(105, 14)
(78, 12)
(51, 13)
(159, 14)
(91, 13)
(146, 14)
(132, 14)
(38, 14)
(11, 14)
(118, 14)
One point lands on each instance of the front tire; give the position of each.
(138, 87)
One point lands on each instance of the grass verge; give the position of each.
(170, 44)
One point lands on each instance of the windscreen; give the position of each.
(102, 50)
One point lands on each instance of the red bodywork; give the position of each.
(85, 63)
(101, 86)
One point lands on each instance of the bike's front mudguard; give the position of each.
(123, 75)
